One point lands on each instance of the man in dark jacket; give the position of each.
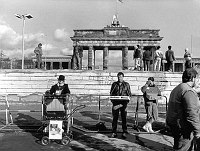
(60, 89)
(150, 92)
(183, 112)
(146, 59)
(119, 88)
(170, 58)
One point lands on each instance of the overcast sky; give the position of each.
(54, 20)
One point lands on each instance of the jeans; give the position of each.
(157, 64)
(115, 114)
(146, 65)
(151, 110)
(170, 65)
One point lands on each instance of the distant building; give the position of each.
(55, 62)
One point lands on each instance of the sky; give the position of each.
(53, 23)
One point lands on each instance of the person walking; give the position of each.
(183, 113)
(150, 92)
(158, 58)
(38, 53)
(188, 59)
(169, 55)
(119, 88)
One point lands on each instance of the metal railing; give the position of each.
(97, 108)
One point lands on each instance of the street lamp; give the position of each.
(23, 17)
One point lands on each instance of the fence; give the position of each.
(26, 111)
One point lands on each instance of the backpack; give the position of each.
(101, 126)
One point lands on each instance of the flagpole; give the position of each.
(191, 44)
(116, 11)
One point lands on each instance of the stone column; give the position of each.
(51, 66)
(60, 65)
(173, 67)
(75, 59)
(105, 58)
(183, 66)
(125, 58)
(90, 57)
(69, 65)
(34, 64)
(80, 51)
(94, 61)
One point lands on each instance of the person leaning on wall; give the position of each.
(150, 91)
(188, 58)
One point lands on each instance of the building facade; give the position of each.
(114, 37)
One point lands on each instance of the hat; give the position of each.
(186, 49)
(61, 78)
(189, 74)
(151, 78)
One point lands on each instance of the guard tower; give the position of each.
(113, 37)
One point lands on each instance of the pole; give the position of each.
(46, 53)
(1, 58)
(191, 44)
(23, 18)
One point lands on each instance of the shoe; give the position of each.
(114, 135)
(124, 135)
(146, 127)
(150, 129)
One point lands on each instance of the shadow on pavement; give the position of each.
(29, 124)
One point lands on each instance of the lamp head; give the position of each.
(18, 16)
(29, 16)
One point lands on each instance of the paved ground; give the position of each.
(22, 135)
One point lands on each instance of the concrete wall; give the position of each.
(81, 82)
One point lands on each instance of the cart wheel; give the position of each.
(45, 140)
(65, 140)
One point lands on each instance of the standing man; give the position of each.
(150, 92)
(183, 113)
(137, 56)
(38, 53)
(119, 88)
(188, 59)
(146, 59)
(158, 59)
(169, 55)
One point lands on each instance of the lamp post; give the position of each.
(23, 17)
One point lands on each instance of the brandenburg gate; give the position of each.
(114, 37)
